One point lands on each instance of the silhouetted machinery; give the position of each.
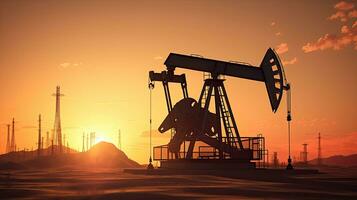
(201, 138)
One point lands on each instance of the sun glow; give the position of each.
(99, 139)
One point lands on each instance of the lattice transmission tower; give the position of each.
(57, 126)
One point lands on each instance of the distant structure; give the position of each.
(39, 142)
(319, 156)
(57, 125)
(52, 135)
(13, 142)
(119, 139)
(92, 139)
(303, 154)
(42, 140)
(47, 139)
(52, 147)
(275, 160)
(83, 147)
(64, 140)
(87, 142)
(8, 142)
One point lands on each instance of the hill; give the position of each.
(107, 155)
(21, 156)
(103, 155)
(338, 160)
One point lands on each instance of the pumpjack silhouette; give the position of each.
(201, 135)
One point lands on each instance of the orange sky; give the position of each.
(100, 53)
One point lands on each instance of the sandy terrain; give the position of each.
(114, 184)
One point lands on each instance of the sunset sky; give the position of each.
(100, 53)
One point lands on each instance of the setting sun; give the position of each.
(103, 139)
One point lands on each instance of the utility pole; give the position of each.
(275, 160)
(64, 140)
(319, 156)
(13, 143)
(83, 143)
(52, 150)
(47, 139)
(92, 139)
(52, 135)
(87, 142)
(304, 154)
(8, 142)
(119, 139)
(39, 136)
(42, 140)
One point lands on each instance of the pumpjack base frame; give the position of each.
(206, 157)
(254, 148)
(257, 173)
(195, 164)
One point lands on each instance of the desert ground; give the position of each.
(70, 183)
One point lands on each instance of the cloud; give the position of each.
(282, 48)
(344, 29)
(339, 15)
(334, 41)
(352, 14)
(342, 8)
(347, 36)
(354, 24)
(76, 64)
(290, 62)
(278, 33)
(342, 5)
(67, 65)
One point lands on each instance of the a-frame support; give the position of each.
(230, 135)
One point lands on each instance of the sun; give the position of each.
(102, 139)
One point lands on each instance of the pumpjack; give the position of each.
(201, 136)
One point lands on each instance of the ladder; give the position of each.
(226, 118)
(206, 76)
